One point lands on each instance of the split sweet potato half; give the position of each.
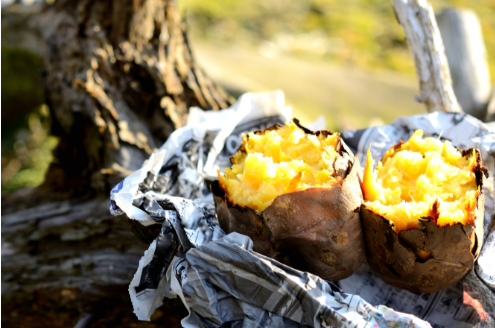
(422, 213)
(296, 193)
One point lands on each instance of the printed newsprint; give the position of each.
(223, 283)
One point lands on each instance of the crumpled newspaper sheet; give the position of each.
(223, 282)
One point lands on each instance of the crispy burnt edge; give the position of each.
(247, 221)
(398, 258)
(479, 171)
(408, 242)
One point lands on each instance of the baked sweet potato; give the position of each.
(297, 194)
(423, 213)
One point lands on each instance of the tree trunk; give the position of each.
(467, 57)
(119, 78)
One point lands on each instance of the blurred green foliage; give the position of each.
(28, 153)
(364, 33)
(26, 145)
(21, 81)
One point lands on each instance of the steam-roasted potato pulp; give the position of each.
(421, 178)
(278, 162)
(296, 193)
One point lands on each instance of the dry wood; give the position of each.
(425, 42)
(468, 59)
(70, 251)
(119, 79)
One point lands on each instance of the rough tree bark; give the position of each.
(426, 46)
(119, 78)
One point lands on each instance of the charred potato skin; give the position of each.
(316, 230)
(428, 259)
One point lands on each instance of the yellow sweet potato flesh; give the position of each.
(277, 162)
(422, 178)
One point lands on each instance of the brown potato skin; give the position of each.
(316, 230)
(400, 261)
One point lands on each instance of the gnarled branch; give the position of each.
(426, 45)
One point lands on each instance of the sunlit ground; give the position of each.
(347, 97)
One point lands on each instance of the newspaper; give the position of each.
(485, 266)
(224, 281)
(221, 280)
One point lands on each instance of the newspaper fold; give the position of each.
(224, 283)
(223, 279)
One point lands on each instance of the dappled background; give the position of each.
(345, 60)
